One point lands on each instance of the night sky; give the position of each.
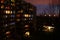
(44, 2)
(36, 2)
(43, 5)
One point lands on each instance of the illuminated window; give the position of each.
(48, 28)
(31, 9)
(2, 6)
(20, 11)
(27, 34)
(18, 15)
(45, 15)
(13, 0)
(8, 33)
(54, 15)
(8, 12)
(26, 25)
(6, 24)
(17, 19)
(2, 1)
(27, 15)
(13, 4)
(49, 15)
(7, 7)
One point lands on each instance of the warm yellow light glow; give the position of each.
(27, 15)
(48, 28)
(13, 4)
(18, 19)
(31, 9)
(2, 1)
(13, 0)
(45, 15)
(8, 32)
(49, 15)
(8, 12)
(2, 6)
(26, 25)
(20, 11)
(27, 34)
(54, 15)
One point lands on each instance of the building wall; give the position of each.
(17, 17)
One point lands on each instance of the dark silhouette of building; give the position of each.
(16, 18)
